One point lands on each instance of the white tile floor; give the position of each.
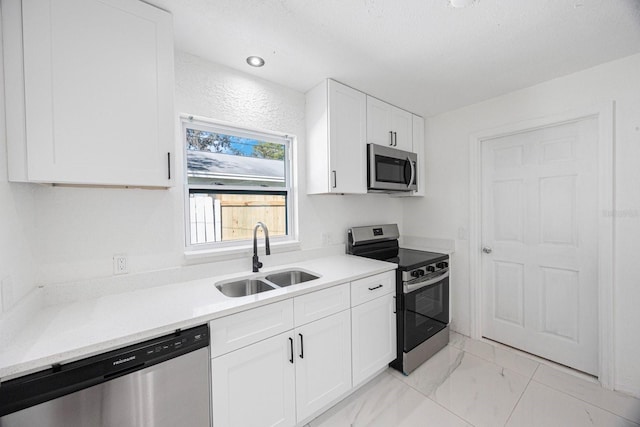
(474, 383)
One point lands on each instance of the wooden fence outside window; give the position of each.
(226, 217)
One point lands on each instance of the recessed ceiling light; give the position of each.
(255, 61)
(461, 3)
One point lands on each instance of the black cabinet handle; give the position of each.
(394, 304)
(301, 346)
(168, 165)
(391, 138)
(291, 344)
(395, 139)
(375, 287)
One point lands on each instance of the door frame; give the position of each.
(605, 115)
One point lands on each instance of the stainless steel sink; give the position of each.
(261, 283)
(290, 277)
(242, 288)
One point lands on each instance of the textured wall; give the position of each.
(63, 234)
(211, 90)
(214, 91)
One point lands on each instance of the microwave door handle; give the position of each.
(413, 173)
(410, 288)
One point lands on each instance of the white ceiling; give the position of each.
(422, 55)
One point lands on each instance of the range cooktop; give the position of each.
(381, 242)
(409, 259)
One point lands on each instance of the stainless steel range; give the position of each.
(422, 292)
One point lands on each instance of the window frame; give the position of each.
(242, 246)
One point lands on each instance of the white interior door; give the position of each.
(539, 235)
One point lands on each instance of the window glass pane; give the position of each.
(221, 159)
(228, 216)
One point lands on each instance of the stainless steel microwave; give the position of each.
(391, 170)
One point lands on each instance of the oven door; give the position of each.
(426, 309)
(390, 169)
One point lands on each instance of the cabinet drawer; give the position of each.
(368, 288)
(238, 330)
(317, 305)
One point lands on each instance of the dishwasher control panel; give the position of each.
(154, 351)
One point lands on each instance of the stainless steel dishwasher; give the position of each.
(162, 382)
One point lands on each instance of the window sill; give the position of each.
(236, 252)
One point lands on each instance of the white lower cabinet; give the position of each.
(323, 362)
(265, 375)
(300, 371)
(374, 337)
(255, 386)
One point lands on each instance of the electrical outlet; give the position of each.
(120, 264)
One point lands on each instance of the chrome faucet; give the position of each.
(257, 264)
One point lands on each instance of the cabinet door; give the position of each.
(388, 125)
(347, 135)
(379, 126)
(98, 88)
(374, 337)
(254, 386)
(323, 363)
(402, 125)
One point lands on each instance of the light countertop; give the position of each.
(71, 331)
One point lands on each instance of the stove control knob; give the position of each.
(442, 264)
(431, 269)
(417, 273)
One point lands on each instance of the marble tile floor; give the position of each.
(481, 384)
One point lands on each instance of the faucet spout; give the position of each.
(256, 263)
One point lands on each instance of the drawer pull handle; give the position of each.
(375, 287)
(301, 347)
(291, 344)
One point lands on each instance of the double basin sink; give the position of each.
(256, 284)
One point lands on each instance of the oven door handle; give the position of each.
(410, 288)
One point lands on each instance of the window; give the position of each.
(235, 178)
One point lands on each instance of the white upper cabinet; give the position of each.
(90, 93)
(388, 125)
(336, 133)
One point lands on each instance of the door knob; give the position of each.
(487, 250)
